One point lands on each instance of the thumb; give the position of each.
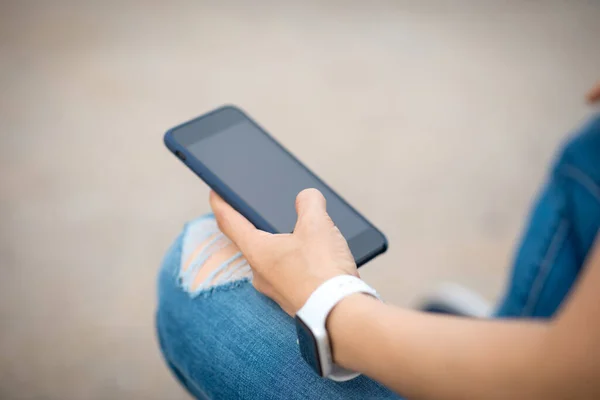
(311, 208)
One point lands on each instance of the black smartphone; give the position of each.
(258, 177)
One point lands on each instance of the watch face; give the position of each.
(308, 346)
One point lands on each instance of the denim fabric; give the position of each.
(561, 230)
(230, 342)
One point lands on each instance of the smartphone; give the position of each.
(258, 177)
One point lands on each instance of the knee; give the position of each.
(201, 258)
(577, 174)
(578, 158)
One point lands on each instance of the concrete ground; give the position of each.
(436, 121)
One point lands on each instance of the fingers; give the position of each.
(311, 208)
(233, 224)
(594, 95)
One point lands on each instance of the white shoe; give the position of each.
(451, 298)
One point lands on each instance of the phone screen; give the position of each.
(267, 177)
(261, 179)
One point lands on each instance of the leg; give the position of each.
(561, 230)
(223, 339)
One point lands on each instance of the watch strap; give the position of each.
(318, 307)
(329, 293)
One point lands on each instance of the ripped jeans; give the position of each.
(224, 340)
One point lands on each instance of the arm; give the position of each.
(419, 355)
(428, 356)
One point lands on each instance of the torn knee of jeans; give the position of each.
(209, 258)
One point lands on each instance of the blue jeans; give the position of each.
(228, 341)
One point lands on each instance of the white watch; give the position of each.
(311, 319)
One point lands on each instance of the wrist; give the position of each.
(309, 286)
(345, 323)
(311, 324)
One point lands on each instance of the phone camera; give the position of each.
(180, 155)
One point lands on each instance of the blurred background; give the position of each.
(436, 119)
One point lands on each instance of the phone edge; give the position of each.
(222, 190)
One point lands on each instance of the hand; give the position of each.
(289, 267)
